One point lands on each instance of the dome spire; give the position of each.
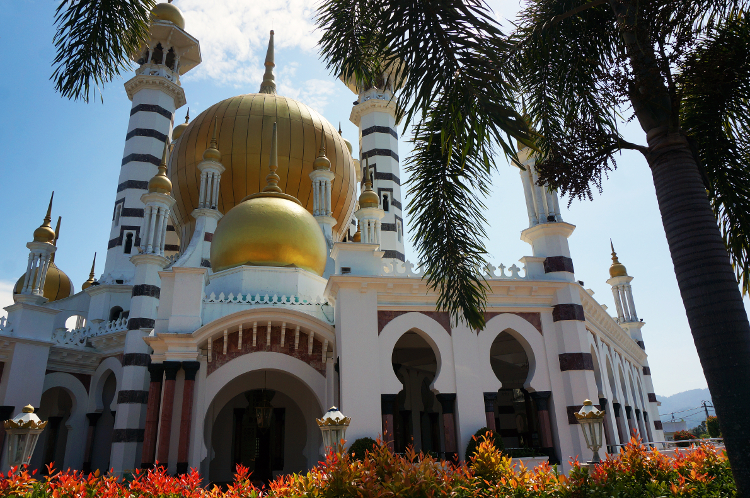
(212, 153)
(45, 233)
(272, 180)
(322, 161)
(268, 85)
(160, 183)
(57, 236)
(88, 283)
(617, 269)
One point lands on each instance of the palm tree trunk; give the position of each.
(709, 290)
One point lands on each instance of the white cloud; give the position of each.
(234, 34)
(6, 296)
(314, 93)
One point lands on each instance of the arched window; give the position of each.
(157, 55)
(115, 313)
(128, 243)
(398, 230)
(170, 59)
(385, 202)
(118, 212)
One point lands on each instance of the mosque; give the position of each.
(255, 276)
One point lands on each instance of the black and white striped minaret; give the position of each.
(156, 93)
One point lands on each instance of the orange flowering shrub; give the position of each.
(635, 472)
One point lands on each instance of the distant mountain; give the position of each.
(685, 405)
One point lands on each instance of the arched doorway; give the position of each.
(290, 443)
(102, 441)
(516, 418)
(55, 407)
(416, 412)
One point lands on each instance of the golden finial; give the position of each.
(368, 198)
(212, 153)
(268, 85)
(57, 236)
(187, 116)
(322, 162)
(160, 183)
(88, 283)
(180, 128)
(357, 235)
(272, 180)
(28, 409)
(617, 269)
(45, 233)
(340, 128)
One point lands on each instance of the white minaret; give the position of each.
(322, 181)
(41, 251)
(628, 319)
(156, 93)
(375, 115)
(369, 213)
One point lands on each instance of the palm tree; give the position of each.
(681, 69)
(93, 42)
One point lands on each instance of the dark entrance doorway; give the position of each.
(260, 449)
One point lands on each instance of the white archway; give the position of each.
(76, 423)
(532, 342)
(110, 364)
(435, 335)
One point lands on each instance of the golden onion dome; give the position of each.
(357, 235)
(244, 133)
(617, 269)
(57, 285)
(44, 232)
(322, 162)
(212, 152)
(159, 182)
(168, 12)
(368, 198)
(180, 128)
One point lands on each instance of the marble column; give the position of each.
(603, 407)
(183, 449)
(545, 424)
(387, 401)
(629, 416)
(448, 403)
(156, 370)
(93, 419)
(489, 409)
(167, 407)
(618, 421)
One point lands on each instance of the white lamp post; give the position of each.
(333, 426)
(592, 424)
(23, 432)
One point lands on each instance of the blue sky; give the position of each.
(50, 143)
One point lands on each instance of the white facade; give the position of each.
(173, 358)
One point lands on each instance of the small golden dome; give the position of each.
(159, 182)
(88, 283)
(45, 233)
(168, 12)
(57, 285)
(357, 235)
(269, 228)
(180, 128)
(617, 269)
(212, 152)
(322, 162)
(368, 198)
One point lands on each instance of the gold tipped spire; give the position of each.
(617, 269)
(340, 128)
(322, 162)
(45, 233)
(160, 183)
(187, 116)
(57, 236)
(88, 283)
(272, 179)
(268, 85)
(368, 198)
(212, 153)
(357, 235)
(180, 128)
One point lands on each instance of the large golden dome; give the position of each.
(245, 125)
(57, 285)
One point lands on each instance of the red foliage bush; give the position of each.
(636, 471)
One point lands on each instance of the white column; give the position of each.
(631, 303)
(525, 180)
(202, 195)
(616, 295)
(43, 273)
(215, 196)
(158, 235)
(144, 227)
(151, 228)
(328, 197)
(26, 279)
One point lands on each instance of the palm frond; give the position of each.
(715, 88)
(94, 39)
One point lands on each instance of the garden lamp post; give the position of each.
(333, 425)
(23, 432)
(592, 424)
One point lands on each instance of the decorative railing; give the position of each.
(266, 299)
(78, 337)
(491, 272)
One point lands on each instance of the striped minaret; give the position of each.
(156, 93)
(132, 399)
(375, 114)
